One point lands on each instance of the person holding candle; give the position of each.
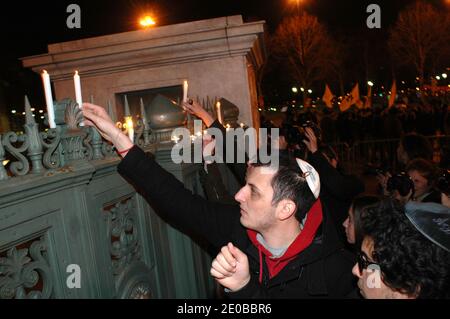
(278, 222)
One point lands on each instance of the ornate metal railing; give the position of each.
(382, 152)
(71, 227)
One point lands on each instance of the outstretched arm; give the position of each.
(213, 221)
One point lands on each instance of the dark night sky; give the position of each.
(28, 26)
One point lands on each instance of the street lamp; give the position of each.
(297, 3)
(147, 21)
(369, 83)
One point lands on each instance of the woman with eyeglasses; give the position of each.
(405, 252)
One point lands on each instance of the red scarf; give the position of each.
(303, 240)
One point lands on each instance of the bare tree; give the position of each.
(304, 44)
(421, 38)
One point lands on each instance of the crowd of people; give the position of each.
(305, 229)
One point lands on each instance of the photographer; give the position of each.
(338, 189)
(416, 184)
(423, 173)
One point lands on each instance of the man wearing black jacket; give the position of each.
(292, 247)
(337, 189)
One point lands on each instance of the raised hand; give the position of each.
(97, 116)
(230, 268)
(197, 109)
(311, 142)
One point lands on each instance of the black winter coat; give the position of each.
(322, 270)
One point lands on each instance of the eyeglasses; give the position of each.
(363, 261)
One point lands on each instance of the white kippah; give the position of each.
(311, 176)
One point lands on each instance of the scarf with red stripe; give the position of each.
(303, 240)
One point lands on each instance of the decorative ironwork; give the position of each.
(21, 167)
(141, 291)
(25, 273)
(73, 116)
(35, 152)
(3, 173)
(51, 157)
(123, 234)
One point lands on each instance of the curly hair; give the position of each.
(409, 262)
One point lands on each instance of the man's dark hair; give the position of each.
(289, 183)
(410, 263)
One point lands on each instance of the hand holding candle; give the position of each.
(49, 99)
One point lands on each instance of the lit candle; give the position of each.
(185, 90)
(76, 80)
(49, 99)
(130, 128)
(78, 99)
(219, 113)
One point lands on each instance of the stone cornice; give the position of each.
(173, 44)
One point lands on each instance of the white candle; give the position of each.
(78, 99)
(185, 90)
(144, 116)
(219, 113)
(49, 99)
(76, 80)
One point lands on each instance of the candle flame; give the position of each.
(129, 122)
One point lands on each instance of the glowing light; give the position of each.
(175, 139)
(13, 111)
(369, 83)
(302, 89)
(5, 162)
(444, 75)
(41, 111)
(294, 89)
(147, 21)
(309, 91)
(438, 77)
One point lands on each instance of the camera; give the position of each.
(400, 182)
(315, 129)
(443, 182)
(295, 134)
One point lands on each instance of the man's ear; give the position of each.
(286, 208)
